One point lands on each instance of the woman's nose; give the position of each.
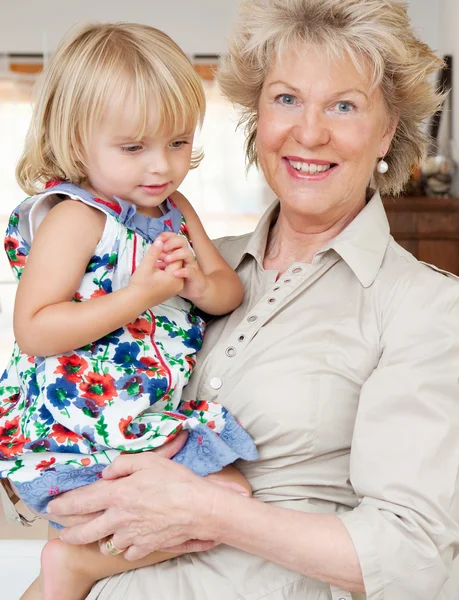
(311, 129)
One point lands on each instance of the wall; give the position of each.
(425, 17)
(449, 44)
(199, 26)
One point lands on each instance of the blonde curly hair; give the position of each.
(100, 65)
(375, 33)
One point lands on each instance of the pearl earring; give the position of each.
(382, 167)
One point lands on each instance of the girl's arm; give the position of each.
(46, 320)
(221, 290)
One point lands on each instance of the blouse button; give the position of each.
(276, 289)
(216, 383)
(252, 318)
(230, 351)
(297, 270)
(241, 338)
(287, 280)
(271, 300)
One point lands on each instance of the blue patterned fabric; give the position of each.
(204, 452)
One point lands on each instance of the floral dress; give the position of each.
(63, 418)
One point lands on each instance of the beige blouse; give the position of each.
(345, 372)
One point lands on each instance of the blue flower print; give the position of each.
(126, 354)
(60, 392)
(45, 416)
(157, 388)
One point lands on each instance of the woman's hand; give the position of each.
(146, 502)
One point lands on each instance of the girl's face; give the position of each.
(321, 129)
(143, 171)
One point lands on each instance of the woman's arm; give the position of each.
(181, 507)
(46, 320)
(221, 290)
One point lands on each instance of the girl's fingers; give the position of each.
(185, 273)
(174, 266)
(172, 241)
(181, 254)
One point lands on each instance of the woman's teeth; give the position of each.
(309, 168)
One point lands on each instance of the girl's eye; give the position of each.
(178, 143)
(287, 99)
(132, 149)
(344, 107)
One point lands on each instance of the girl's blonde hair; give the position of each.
(373, 33)
(97, 66)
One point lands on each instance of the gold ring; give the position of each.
(112, 549)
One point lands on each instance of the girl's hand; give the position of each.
(153, 283)
(177, 249)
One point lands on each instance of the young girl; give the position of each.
(105, 317)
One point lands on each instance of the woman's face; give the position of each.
(320, 132)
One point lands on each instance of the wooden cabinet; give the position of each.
(427, 227)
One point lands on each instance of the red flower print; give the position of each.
(168, 223)
(13, 399)
(11, 249)
(10, 429)
(61, 434)
(78, 297)
(52, 183)
(152, 367)
(194, 405)
(210, 424)
(11, 243)
(45, 464)
(184, 231)
(124, 428)
(98, 293)
(13, 447)
(174, 433)
(175, 416)
(112, 204)
(99, 388)
(85, 462)
(53, 491)
(190, 361)
(71, 367)
(139, 328)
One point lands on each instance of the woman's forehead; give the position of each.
(310, 65)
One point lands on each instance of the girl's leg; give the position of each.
(69, 572)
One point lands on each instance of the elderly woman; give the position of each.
(342, 361)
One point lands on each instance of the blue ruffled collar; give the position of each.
(124, 212)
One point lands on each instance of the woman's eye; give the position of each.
(287, 99)
(132, 149)
(344, 107)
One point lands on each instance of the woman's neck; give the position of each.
(292, 240)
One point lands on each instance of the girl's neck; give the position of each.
(154, 212)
